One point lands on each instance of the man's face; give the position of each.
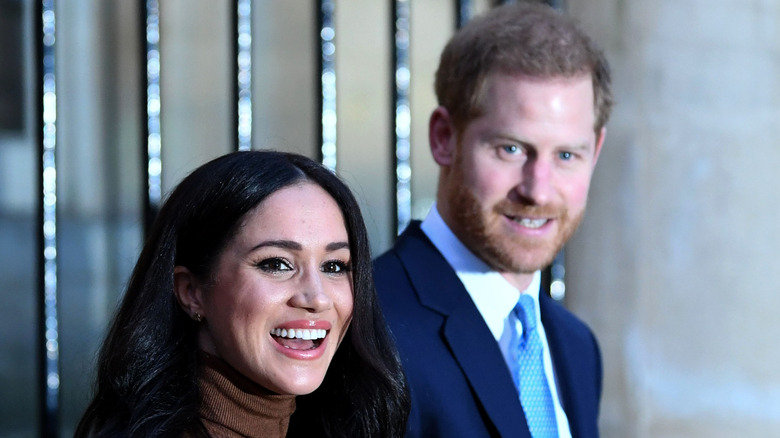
(518, 182)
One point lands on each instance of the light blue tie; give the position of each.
(530, 380)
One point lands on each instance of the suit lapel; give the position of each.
(568, 361)
(464, 331)
(484, 367)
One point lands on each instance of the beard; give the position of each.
(483, 230)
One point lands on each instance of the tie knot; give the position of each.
(526, 313)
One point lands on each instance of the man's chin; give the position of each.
(526, 267)
(523, 261)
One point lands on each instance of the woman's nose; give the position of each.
(311, 294)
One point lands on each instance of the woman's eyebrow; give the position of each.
(336, 245)
(295, 246)
(284, 244)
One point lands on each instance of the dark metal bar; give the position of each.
(327, 83)
(557, 283)
(49, 359)
(152, 153)
(402, 120)
(242, 26)
(463, 12)
(557, 4)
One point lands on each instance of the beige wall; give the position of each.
(673, 265)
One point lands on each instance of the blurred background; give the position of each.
(671, 267)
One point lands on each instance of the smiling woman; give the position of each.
(287, 268)
(252, 298)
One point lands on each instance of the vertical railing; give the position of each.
(152, 146)
(402, 118)
(462, 12)
(49, 356)
(557, 286)
(242, 74)
(557, 4)
(327, 83)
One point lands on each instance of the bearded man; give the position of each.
(524, 96)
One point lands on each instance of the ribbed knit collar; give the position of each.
(234, 405)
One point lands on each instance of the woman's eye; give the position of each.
(335, 267)
(274, 264)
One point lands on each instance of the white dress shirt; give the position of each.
(495, 299)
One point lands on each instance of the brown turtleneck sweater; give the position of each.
(235, 406)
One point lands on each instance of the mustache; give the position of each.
(514, 209)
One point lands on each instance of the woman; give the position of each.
(254, 287)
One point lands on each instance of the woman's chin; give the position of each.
(302, 383)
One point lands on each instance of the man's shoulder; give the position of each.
(411, 244)
(386, 259)
(412, 273)
(395, 289)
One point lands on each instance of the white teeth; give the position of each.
(305, 334)
(531, 223)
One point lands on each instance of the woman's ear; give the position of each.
(442, 136)
(188, 293)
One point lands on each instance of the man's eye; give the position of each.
(335, 267)
(274, 264)
(510, 152)
(566, 156)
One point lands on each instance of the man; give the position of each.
(524, 96)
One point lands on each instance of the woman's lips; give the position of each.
(301, 339)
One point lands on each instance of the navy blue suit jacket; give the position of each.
(460, 384)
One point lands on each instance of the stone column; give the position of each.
(672, 264)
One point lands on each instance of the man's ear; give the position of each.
(188, 293)
(442, 136)
(599, 143)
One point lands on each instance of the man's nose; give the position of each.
(535, 187)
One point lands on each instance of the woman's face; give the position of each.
(282, 297)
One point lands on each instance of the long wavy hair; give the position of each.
(148, 365)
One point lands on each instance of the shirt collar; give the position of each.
(491, 292)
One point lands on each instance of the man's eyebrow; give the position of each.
(582, 146)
